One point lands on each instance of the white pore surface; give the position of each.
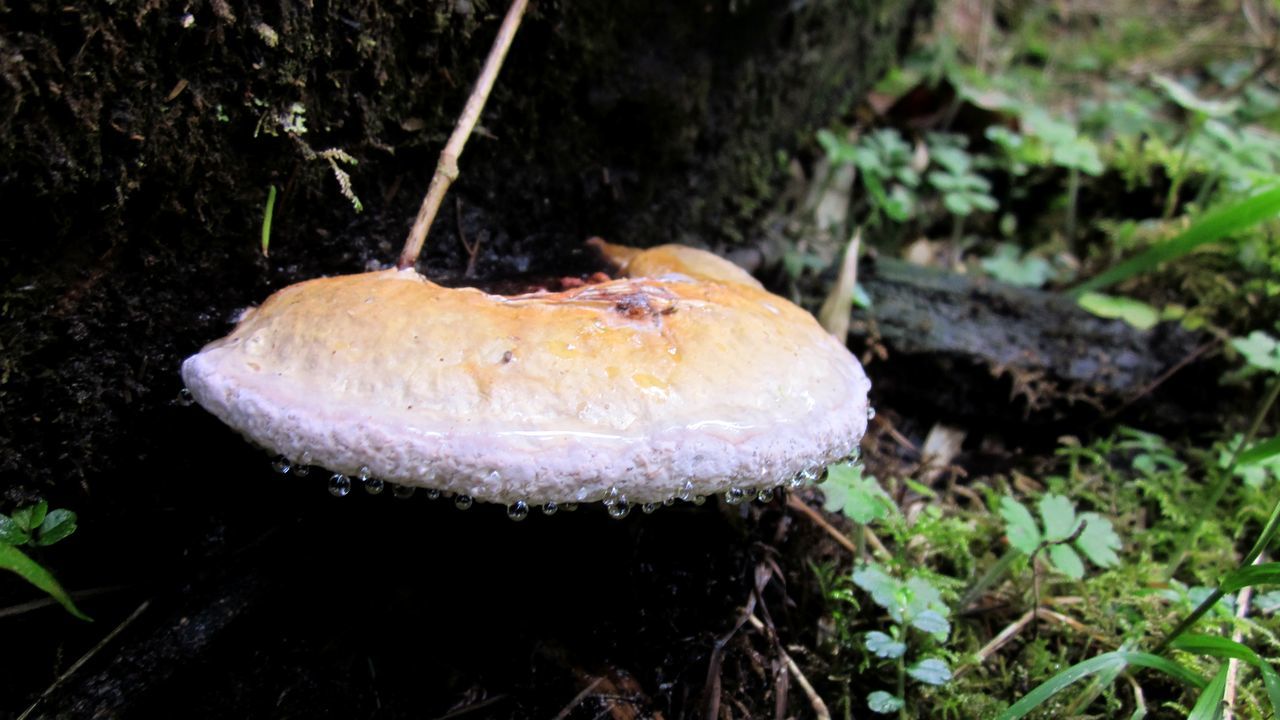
(293, 409)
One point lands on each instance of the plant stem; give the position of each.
(1073, 195)
(447, 167)
(957, 229)
(1215, 492)
(994, 574)
(1264, 538)
(1171, 200)
(902, 685)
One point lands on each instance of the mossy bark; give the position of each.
(138, 140)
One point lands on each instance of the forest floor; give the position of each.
(1029, 500)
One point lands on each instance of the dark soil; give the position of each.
(137, 143)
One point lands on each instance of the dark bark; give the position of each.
(966, 347)
(137, 142)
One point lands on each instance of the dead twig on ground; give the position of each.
(795, 503)
(447, 167)
(1243, 600)
(815, 701)
(577, 699)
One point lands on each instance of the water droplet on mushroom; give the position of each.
(853, 457)
(699, 499)
(402, 492)
(686, 491)
(650, 507)
(339, 485)
(733, 496)
(518, 510)
(363, 473)
(619, 508)
(493, 478)
(302, 468)
(462, 502)
(822, 476)
(185, 399)
(433, 494)
(669, 500)
(765, 495)
(373, 486)
(550, 508)
(281, 464)
(871, 413)
(569, 507)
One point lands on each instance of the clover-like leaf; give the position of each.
(1099, 541)
(932, 622)
(1059, 516)
(11, 532)
(883, 703)
(1066, 560)
(1009, 265)
(1260, 350)
(1134, 312)
(881, 586)
(30, 517)
(1020, 526)
(57, 525)
(930, 671)
(859, 497)
(884, 646)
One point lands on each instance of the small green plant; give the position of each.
(918, 623)
(963, 190)
(36, 526)
(1009, 264)
(1064, 532)
(884, 163)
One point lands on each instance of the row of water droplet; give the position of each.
(615, 502)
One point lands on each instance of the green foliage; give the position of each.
(963, 191)
(1134, 312)
(858, 497)
(919, 620)
(36, 526)
(1090, 533)
(1008, 264)
(1260, 350)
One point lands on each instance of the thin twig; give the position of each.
(472, 707)
(75, 667)
(1017, 626)
(1233, 665)
(27, 607)
(447, 167)
(577, 699)
(819, 707)
(795, 503)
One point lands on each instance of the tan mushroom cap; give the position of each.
(688, 381)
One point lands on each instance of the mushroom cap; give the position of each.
(649, 386)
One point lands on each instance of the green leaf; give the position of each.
(1020, 526)
(30, 517)
(882, 587)
(1261, 451)
(957, 203)
(1099, 541)
(1112, 661)
(57, 525)
(883, 703)
(933, 623)
(12, 532)
(1226, 648)
(1010, 266)
(1209, 705)
(11, 558)
(1223, 222)
(930, 671)
(1059, 515)
(883, 646)
(1135, 312)
(1188, 100)
(859, 497)
(1067, 561)
(1260, 350)
(1252, 575)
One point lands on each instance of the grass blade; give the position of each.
(1261, 574)
(1209, 705)
(1213, 226)
(1111, 661)
(11, 558)
(1225, 648)
(1261, 451)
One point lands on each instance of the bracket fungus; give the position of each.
(681, 378)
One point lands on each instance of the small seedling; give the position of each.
(1063, 533)
(919, 620)
(36, 526)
